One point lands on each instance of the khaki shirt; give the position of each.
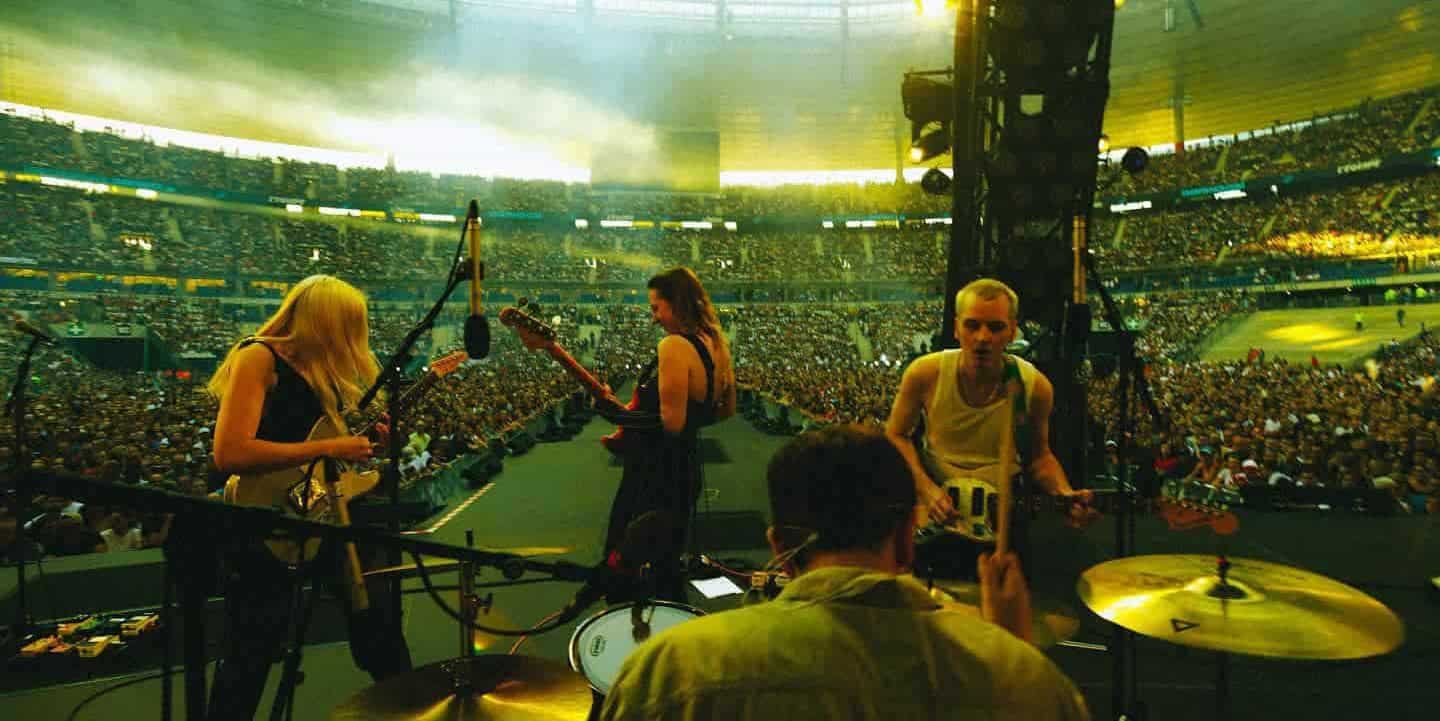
(847, 644)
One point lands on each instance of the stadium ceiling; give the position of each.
(788, 84)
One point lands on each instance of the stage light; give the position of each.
(935, 182)
(1134, 160)
(1104, 145)
(930, 144)
(930, 8)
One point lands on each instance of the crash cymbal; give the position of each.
(504, 688)
(1263, 609)
(441, 564)
(1050, 621)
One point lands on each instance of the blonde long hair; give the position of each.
(324, 325)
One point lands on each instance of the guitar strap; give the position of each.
(1015, 389)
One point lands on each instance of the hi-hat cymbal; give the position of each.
(441, 564)
(1263, 609)
(1050, 621)
(504, 688)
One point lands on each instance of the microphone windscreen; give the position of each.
(477, 336)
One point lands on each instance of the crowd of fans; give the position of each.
(1384, 219)
(68, 229)
(1370, 130)
(823, 354)
(1268, 422)
(1395, 124)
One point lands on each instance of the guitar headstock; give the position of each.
(533, 332)
(1187, 506)
(446, 364)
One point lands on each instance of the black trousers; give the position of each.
(258, 595)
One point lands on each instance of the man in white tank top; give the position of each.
(963, 395)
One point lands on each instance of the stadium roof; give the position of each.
(541, 81)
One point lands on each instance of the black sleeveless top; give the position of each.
(291, 407)
(698, 414)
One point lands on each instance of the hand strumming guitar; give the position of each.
(1081, 513)
(938, 506)
(352, 449)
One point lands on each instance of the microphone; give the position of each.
(25, 327)
(477, 326)
(642, 546)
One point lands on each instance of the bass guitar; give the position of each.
(325, 496)
(977, 508)
(535, 334)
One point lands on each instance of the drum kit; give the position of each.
(1230, 606)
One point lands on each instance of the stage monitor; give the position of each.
(681, 161)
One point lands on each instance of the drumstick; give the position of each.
(1007, 455)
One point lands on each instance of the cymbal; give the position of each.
(505, 688)
(1264, 609)
(442, 564)
(1050, 621)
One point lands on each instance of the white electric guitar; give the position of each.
(331, 484)
(977, 506)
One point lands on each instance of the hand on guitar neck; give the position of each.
(536, 335)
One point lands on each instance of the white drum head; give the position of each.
(601, 644)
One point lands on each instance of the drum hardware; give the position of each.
(1240, 606)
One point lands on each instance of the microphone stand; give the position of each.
(21, 468)
(390, 376)
(1125, 679)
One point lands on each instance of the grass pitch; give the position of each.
(1328, 333)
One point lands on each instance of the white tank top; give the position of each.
(962, 440)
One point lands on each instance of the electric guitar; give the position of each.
(331, 484)
(536, 335)
(977, 502)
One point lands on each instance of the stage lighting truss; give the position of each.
(929, 104)
(1038, 42)
(1046, 151)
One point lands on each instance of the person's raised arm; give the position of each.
(674, 382)
(237, 450)
(915, 386)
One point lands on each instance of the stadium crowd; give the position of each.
(1268, 422)
(826, 356)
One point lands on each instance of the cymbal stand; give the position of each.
(1225, 593)
(471, 606)
(1124, 679)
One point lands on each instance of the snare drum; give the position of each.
(605, 640)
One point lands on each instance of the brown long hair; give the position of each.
(681, 288)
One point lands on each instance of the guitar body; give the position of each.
(977, 505)
(1181, 506)
(285, 489)
(327, 495)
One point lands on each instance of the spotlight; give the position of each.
(930, 144)
(930, 8)
(1134, 160)
(935, 182)
(1104, 145)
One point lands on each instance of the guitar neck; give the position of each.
(576, 371)
(416, 390)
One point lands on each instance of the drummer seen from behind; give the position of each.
(849, 636)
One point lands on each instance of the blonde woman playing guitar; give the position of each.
(310, 360)
(980, 406)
